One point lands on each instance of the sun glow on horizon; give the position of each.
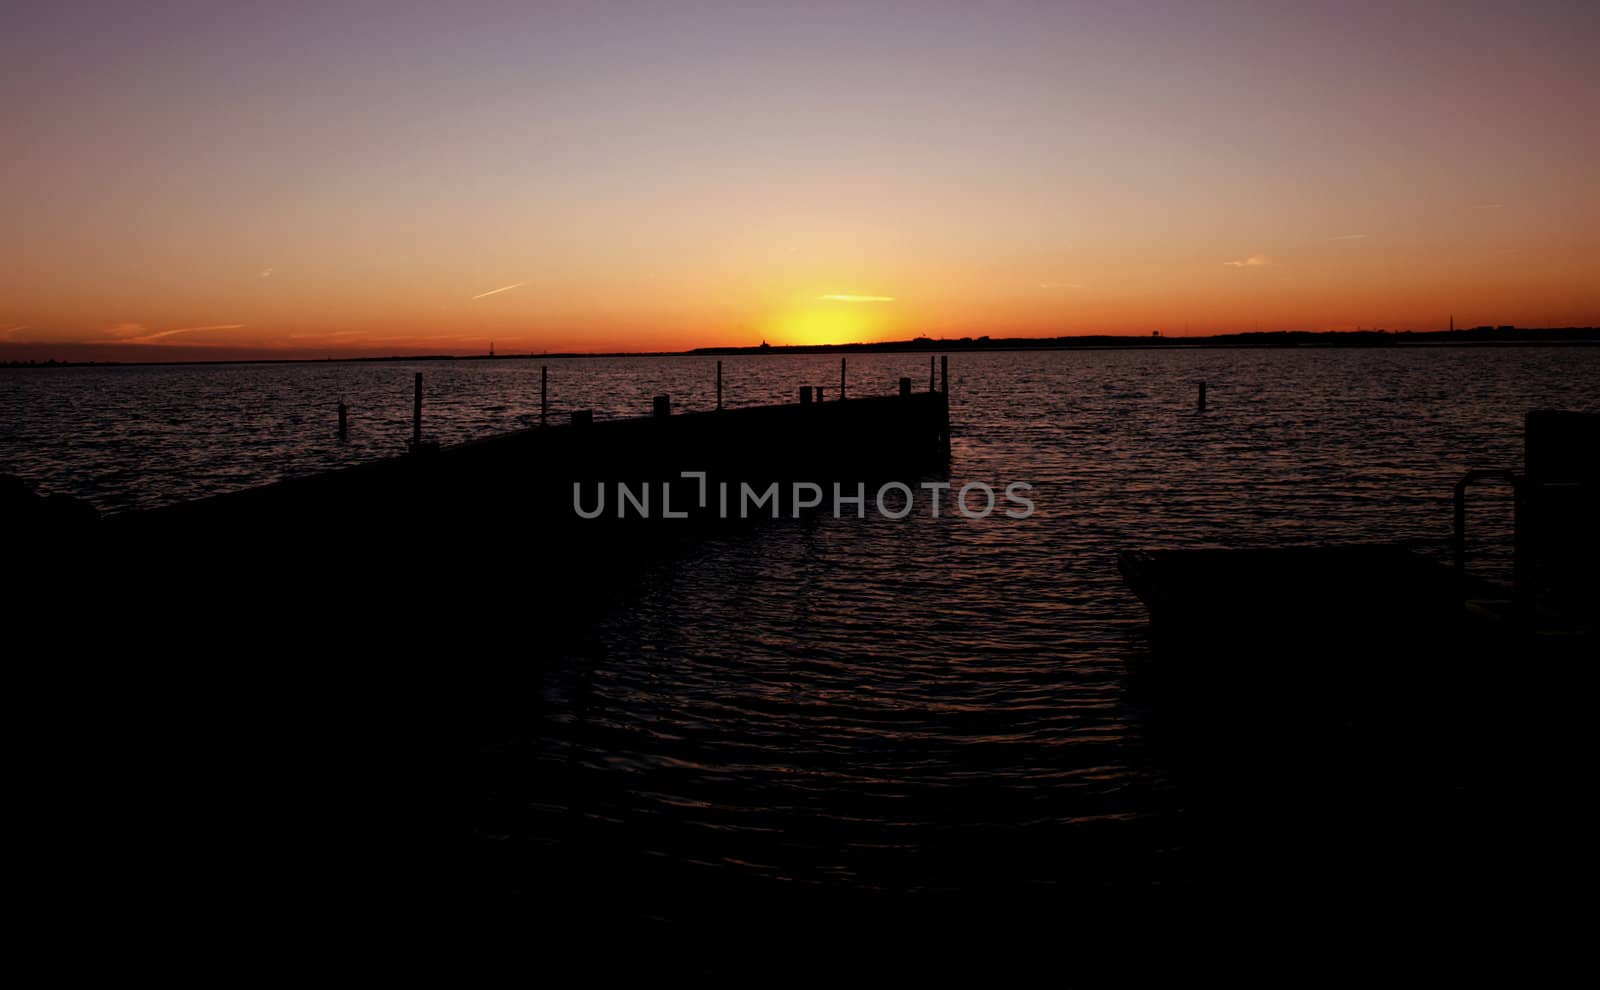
(824, 324)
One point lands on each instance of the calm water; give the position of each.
(846, 701)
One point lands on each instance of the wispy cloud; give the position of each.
(1251, 262)
(8, 331)
(857, 299)
(1060, 285)
(266, 272)
(495, 292)
(147, 338)
(1349, 237)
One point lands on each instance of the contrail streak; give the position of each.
(168, 333)
(503, 288)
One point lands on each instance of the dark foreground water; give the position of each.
(923, 704)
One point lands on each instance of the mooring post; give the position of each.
(583, 417)
(344, 432)
(944, 374)
(805, 395)
(841, 379)
(662, 407)
(905, 388)
(1202, 396)
(719, 386)
(930, 372)
(544, 393)
(416, 412)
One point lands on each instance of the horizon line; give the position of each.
(1482, 334)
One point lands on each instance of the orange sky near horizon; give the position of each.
(331, 182)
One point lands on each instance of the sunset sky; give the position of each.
(204, 179)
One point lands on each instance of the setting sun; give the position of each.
(835, 318)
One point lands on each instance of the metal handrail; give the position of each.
(1458, 538)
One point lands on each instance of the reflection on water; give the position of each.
(863, 702)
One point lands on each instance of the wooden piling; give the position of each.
(944, 374)
(344, 431)
(905, 388)
(719, 386)
(416, 412)
(1202, 396)
(930, 372)
(583, 417)
(841, 379)
(544, 393)
(662, 407)
(805, 395)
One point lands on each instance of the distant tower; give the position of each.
(491, 348)
(1452, 323)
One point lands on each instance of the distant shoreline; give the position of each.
(1258, 340)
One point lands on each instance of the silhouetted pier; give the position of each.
(1376, 715)
(401, 555)
(1301, 685)
(1352, 605)
(523, 481)
(451, 527)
